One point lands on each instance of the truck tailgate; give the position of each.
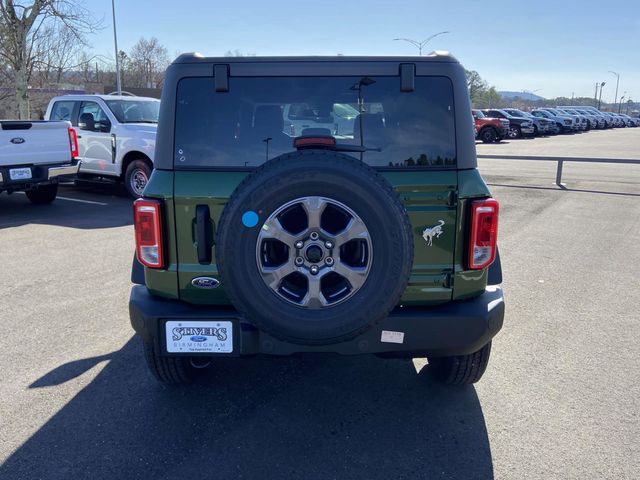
(34, 142)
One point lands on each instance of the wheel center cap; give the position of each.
(314, 254)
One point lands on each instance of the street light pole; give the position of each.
(420, 45)
(621, 98)
(115, 42)
(602, 84)
(615, 98)
(595, 97)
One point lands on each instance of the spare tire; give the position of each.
(314, 247)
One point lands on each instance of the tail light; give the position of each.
(73, 142)
(148, 227)
(484, 233)
(292, 130)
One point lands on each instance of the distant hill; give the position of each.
(523, 95)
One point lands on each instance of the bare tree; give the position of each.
(60, 52)
(27, 28)
(146, 63)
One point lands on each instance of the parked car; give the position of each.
(116, 136)
(518, 126)
(575, 121)
(605, 121)
(615, 121)
(488, 129)
(282, 247)
(590, 120)
(563, 123)
(583, 122)
(541, 126)
(595, 121)
(622, 122)
(631, 122)
(35, 156)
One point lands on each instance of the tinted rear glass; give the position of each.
(258, 119)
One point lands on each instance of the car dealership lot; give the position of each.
(560, 398)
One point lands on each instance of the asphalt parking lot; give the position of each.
(560, 399)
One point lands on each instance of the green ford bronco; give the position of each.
(316, 204)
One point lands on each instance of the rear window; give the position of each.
(62, 110)
(258, 119)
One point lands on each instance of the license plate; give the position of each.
(184, 336)
(20, 173)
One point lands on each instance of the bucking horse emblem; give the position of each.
(432, 232)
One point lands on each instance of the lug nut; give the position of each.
(299, 261)
(328, 261)
(299, 244)
(314, 269)
(314, 235)
(328, 244)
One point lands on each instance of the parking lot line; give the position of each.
(76, 200)
(82, 201)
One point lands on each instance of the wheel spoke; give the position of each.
(355, 229)
(274, 275)
(314, 297)
(314, 206)
(272, 228)
(354, 275)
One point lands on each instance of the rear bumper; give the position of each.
(454, 328)
(40, 174)
(64, 170)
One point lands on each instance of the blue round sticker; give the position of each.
(250, 219)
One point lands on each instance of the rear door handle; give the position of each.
(203, 234)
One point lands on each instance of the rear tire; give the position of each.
(171, 370)
(43, 195)
(136, 177)
(460, 369)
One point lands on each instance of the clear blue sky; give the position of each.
(557, 46)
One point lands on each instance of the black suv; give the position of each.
(518, 126)
(304, 205)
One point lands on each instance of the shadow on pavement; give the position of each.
(564, 188)
(312, 417)
(106, 207)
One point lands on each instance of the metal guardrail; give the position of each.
(561, 161)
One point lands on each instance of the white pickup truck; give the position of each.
(116, 135)
(34, 156)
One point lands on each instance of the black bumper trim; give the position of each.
(454, 328)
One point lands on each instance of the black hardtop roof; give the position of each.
(224, 69)
(433, 57)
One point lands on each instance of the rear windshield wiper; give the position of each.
(341, 147)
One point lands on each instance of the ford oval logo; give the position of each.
(205, 282)
(198, 338)
(17, 140)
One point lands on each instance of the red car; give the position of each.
(488, 129)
